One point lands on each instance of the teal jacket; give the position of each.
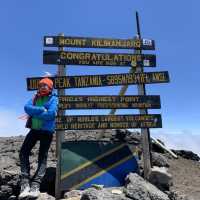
(46, 113)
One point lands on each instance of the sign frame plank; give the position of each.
(90, 122)
(64, 82)
(91, 42)
(98, 59)
(109, 102)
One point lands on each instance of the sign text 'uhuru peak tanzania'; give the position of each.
(64, 82)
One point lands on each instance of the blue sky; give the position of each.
(172, 24)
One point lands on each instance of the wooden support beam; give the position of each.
(60, 133)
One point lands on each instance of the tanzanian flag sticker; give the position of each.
(84, 163)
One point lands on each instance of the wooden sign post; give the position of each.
(145, 133)
(59, 133)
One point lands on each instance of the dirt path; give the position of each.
(186, 177)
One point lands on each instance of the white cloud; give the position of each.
(10, 125)
(185, 140)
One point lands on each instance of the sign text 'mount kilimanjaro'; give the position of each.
(85, 42)
(98, 59)
(108, 122)
(65, 82)
(109, 102)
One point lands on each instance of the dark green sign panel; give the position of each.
(85, 122)
(102, 80)
(84, 42)
(108, 102)
(98, 59)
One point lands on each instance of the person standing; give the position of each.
(41, 112)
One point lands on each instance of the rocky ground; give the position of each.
(185, 172)
(186, 177)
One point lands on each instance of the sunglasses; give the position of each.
(44, 86)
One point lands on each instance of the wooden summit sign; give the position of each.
(109, 102)
(82, 122)
(65, 178)
(85, 42)
(98, 59)
(62, 82)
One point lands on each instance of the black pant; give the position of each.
(32, 137)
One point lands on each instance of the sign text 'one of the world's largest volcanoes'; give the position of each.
(64, 82)
(98, 59)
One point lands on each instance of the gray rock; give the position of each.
(12, 197)
(6, 189)
(9, 184)
(73, 193)
(6, 161)
(187, 154)
(91, 194)
(7, 176)
(160, 178)
(5, 192)
(104, 194)
(139, 189)
(177, 195)
(159, 160)
(173, 195)
(45, 196)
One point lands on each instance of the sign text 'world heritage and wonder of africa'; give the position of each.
(108, 122)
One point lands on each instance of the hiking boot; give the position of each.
(24, 192)
(34, 191)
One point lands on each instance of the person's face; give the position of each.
(43, 88)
